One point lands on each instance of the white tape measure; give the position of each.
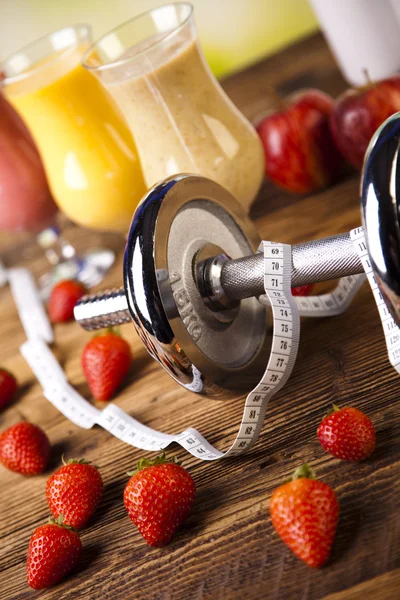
(390, 329)
(29, 305)
(285, 339)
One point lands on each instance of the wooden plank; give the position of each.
(386, 587)
(228, 548)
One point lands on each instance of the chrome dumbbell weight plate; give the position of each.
(190, 254)
(180, 223)
(380, 200)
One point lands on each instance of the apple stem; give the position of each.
(278, 101)
(367, 78)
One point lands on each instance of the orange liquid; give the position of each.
(87, 149)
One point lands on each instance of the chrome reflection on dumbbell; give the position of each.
(234, 280)
(191, 275)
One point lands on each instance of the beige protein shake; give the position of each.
(181, 119)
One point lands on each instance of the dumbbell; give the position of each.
(192, 275)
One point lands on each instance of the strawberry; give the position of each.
(105, 362)
(347, 433)
(305, 513)
(158, 498)
(302, 290)
(24, 448)
(74, 491)
(54, 550)
(8, 387)
(63, 299)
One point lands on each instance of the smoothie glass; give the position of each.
(88, 151)
(181, 119)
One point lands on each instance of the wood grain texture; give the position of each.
(228, 548)
(385, 587)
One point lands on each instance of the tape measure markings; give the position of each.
(331, 304)
(390, 329)
(286, 312)
(42, 362)
(68, 401)
(277, 263)
(29, 305)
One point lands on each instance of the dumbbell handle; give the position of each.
(319, 260)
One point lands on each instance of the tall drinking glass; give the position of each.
(87, 149)
(181, 119)
(27, 205)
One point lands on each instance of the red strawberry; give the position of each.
(158, 498)
(305, 513)
(63, 299)
(302, 290)
(105, 361)
(24, 448)
(74, 491)
(53, 551)
(347, 433)
(8, 387)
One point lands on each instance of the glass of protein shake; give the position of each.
(181, 119)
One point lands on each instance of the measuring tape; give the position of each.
(328, 305)
(29, 305)
(286, 311)
(390, 329)
(285, 339)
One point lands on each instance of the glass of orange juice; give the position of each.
(87, 149)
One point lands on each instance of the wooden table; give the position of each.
(227, 548)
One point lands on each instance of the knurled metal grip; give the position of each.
(319, 260)
(192, 275)
(102, 310)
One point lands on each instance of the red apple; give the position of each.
(302, 290)
(359, 112)
(300, 154)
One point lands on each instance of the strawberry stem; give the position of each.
(303, 472)
(335, 407)
(114, 330)
(77, 461)
(60, 522)
(161, 459)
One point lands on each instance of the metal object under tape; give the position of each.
(165, 304)
(205, 317)
(285, 339)
(197, 311)
(319, 260)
